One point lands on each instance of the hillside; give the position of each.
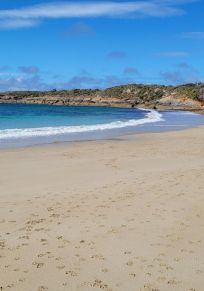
(188, 96)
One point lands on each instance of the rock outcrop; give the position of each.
(188, 96)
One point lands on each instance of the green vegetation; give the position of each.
(190, 91)
(131, 94)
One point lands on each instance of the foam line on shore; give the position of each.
(150, 117)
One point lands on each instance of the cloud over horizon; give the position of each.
(131, 71)
(182, 73)
(29, 70)
(174, 54)
(117, 55)
(28, 78)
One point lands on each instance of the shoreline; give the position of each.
(158, 107)
(154, 121)
(111, 214)
(184, 96)
(117, 138)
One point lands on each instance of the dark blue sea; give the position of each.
(24, 125)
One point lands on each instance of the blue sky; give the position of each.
(97, 44)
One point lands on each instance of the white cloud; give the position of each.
(16, 81)
(80, 29)
(183, 73)
(194, 34)
(131, 71)
(60, 10)
(26, 16)
(18, 23)
(117, 55)
(174, 54)
(32, 70)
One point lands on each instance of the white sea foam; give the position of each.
(150, 117)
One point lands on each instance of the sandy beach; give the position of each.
(121, 215)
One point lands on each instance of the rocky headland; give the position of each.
(182, 97)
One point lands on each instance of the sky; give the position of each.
(98, 44)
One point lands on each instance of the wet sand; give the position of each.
(120, 215)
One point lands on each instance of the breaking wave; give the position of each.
(150, 117)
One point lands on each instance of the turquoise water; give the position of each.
(22, 125)
(34, 116)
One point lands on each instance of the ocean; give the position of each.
(25, 125)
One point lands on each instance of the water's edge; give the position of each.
(151, 116)
(153, 121)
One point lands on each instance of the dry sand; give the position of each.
(118, 215)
